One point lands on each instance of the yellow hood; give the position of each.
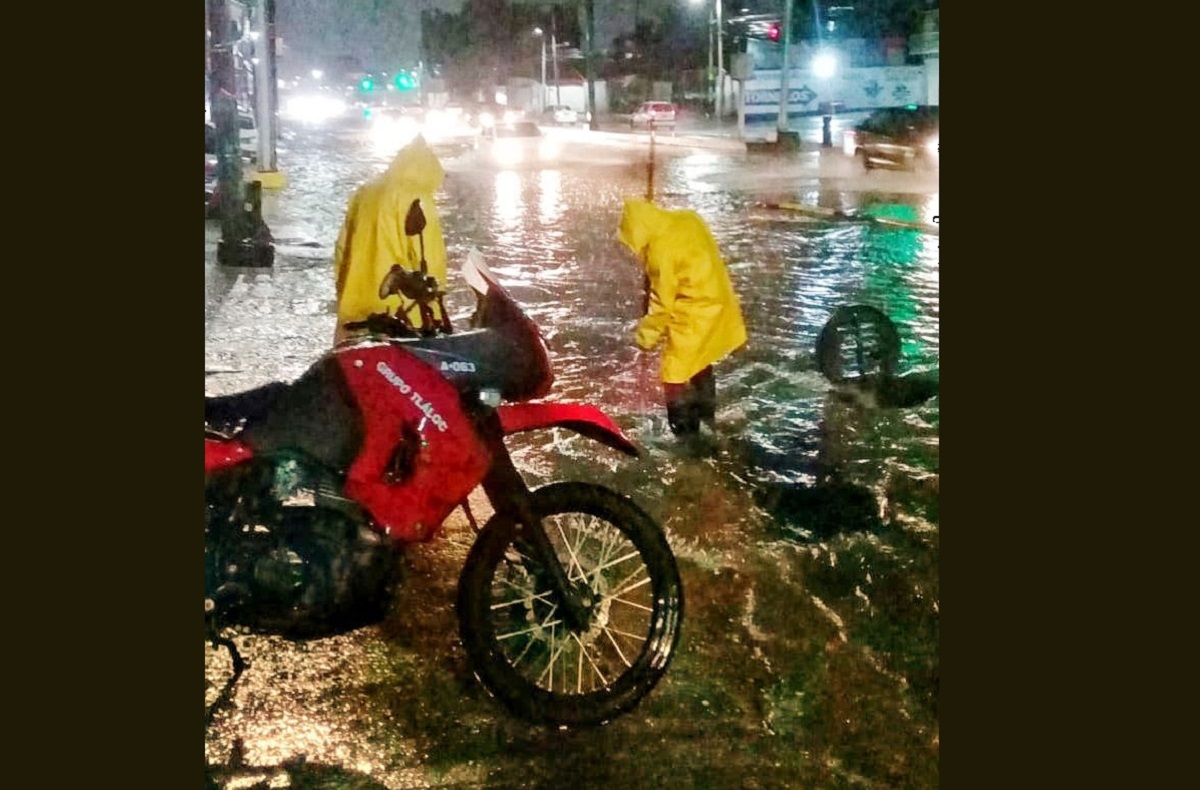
(693, 307)
(372, 235)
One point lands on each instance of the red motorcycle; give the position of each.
(570, 601)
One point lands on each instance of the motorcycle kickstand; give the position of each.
(225, 698)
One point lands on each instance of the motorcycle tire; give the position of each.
(519, 646)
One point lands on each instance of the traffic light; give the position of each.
(404, 81)
(773, 32)
(366, 85)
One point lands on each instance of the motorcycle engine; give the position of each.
(300, 571)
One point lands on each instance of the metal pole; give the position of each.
(712, 86)
(223, 103)
(785, 68)
(720, 65)
(594, 124)
(554, 55)
(542, 36)
(264, 109)
(245, 238)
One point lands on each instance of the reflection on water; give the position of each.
(842, 498)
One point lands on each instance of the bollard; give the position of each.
(826, 131)
(252, 244)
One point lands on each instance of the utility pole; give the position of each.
(720, 64)
(542, 35)
(594, 123)
(245, 239)
(712, 93)
(554, 56)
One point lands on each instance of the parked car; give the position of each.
(659, 113)
(898, 137)
(561, 114)
(513, 144)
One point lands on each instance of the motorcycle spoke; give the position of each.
(632, 604)
(613, 563)
(574, 563)
(555, 652)
(621, 653)
(583, 653)
(627, 584)
(531, 629)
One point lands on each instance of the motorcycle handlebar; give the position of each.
(384, 324)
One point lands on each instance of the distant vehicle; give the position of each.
(519, 143)
(658, 113)
(486, 115)
(561, 114)
(898, 138)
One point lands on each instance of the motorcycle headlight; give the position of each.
(489, 397)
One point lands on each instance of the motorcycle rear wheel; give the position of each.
(519, 644)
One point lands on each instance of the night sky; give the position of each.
(386, 33)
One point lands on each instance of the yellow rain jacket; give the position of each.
(372, 235)
(692, 302)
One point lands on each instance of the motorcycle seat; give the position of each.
(228, 414)
(477, 359)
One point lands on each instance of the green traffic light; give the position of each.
(367, 85)
(405, 82)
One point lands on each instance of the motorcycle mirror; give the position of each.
(414, 222)
(392, 282)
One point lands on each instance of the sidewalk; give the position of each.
(724, 135)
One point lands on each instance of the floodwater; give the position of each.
(807, 530)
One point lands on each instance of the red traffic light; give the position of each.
(773, 31)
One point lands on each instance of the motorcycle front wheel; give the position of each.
(522, 648)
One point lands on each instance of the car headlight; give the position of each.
(932, 146)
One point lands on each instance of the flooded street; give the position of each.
(807, 535)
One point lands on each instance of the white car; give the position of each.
(519, 144)
(562, 114)
(658, 113)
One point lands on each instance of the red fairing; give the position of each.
(393, 389)
(581, 418)
(220, 453)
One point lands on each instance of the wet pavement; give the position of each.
(807, 531)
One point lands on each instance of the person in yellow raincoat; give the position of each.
(691, 307)
(372, 236)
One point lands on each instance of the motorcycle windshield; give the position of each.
(529, 359)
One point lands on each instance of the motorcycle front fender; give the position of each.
(585, 420)
(220, 453)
